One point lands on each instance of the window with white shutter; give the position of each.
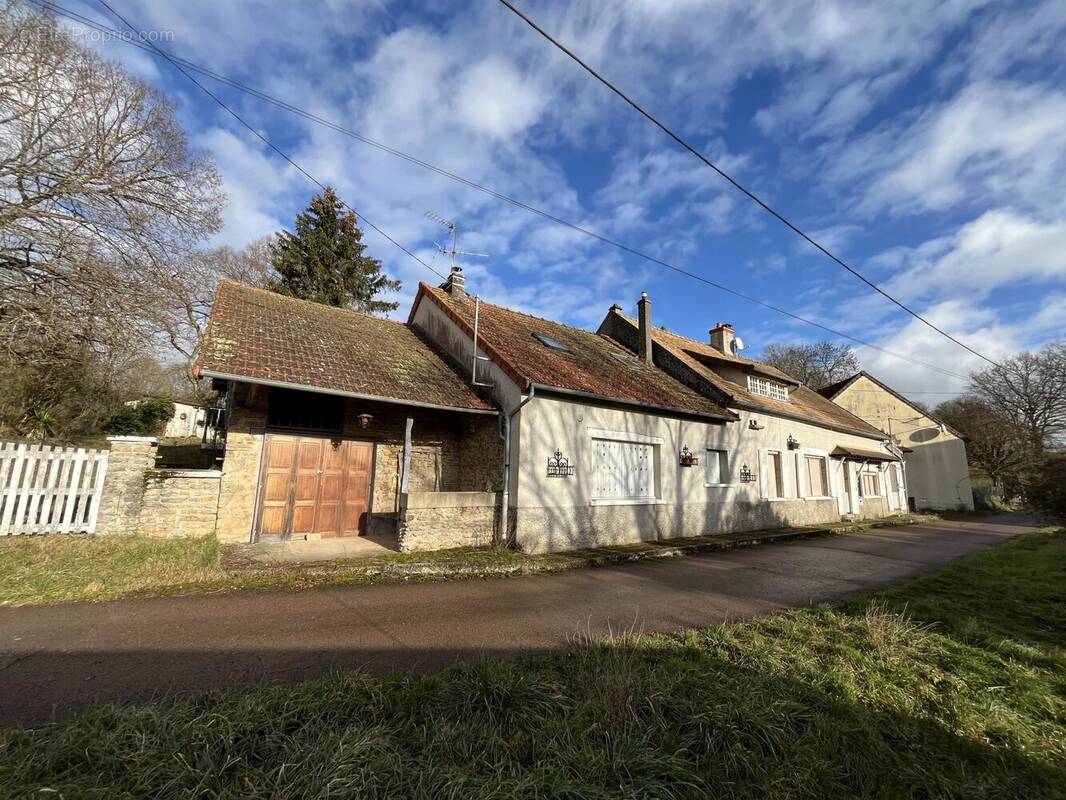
(623, 470)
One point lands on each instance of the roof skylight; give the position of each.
(549, 342)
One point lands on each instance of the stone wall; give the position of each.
(179, 503)
(123, 492)
(439, 520)
(240, 468)
(139, 500)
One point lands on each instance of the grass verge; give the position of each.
(953, 685)
(56, 569)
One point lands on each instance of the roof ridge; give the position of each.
(290, 298)
(510, 310)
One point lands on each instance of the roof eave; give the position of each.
(548, 389)
(878, 435)
(227, 376)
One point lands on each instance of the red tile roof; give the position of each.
(260, 336)
(592, 364)
(803, 403)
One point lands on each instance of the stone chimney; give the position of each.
(644, 315)
(455, 285)
(722, 336)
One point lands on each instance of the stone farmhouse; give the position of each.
(471, 424)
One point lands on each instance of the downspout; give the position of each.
(503, 534)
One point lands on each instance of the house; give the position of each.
(472, 423)
(342, 424)
(661, 436)
(938, 474)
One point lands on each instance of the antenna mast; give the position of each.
(451, 250)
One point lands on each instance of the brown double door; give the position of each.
(314, 484)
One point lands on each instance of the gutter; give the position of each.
(226, 376)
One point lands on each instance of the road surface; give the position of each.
(55, 660)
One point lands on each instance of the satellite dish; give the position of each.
(738, 344)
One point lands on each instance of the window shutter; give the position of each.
(799, 474)
(762, 473)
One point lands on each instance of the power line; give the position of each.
(735, 183)
(485, 189)
(260, 136)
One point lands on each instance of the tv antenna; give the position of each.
(451, 250)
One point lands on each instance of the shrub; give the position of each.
(1047, 491)
(146, 417)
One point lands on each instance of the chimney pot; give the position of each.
(722, 336)
(616, 309)
(644, 349)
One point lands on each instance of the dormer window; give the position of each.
(767, 388)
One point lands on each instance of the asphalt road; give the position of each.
(55, 660)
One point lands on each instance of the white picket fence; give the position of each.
(47, 489)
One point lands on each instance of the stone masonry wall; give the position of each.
(440, 520)
(123, 492)
(179, 503)
(240, 468)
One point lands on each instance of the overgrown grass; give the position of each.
(948, 686)
(61, 568)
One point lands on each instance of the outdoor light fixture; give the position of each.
(365, 420)
(746, 475)
(793, 443)
(688, 458)
(559, 466)
(754, 425)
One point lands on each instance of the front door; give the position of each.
(314, 484)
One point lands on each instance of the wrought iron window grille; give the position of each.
(688, 458)
(746, 475)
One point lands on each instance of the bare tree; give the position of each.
(101, 200)
(100, 191)
(186, 294)
(816, 365)
(996, 444)
(1030, 388)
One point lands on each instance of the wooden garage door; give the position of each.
(314, 485)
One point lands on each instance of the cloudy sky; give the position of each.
(925, 142)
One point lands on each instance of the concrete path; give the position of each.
(57, 659)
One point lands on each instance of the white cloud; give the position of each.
(1000, 142)
(495, 100)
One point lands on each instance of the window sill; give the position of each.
(718, 485)
(820, 497)
(625, 501)
(776, 499)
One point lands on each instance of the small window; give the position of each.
(817, 477)
(775, 479)
(549, 342)
(767, 388)
(871, 484)
(307, 411)
(717, 467)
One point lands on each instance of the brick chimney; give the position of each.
(722, 336)
(644, 316)
(455, 285)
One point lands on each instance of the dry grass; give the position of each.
(63, 568)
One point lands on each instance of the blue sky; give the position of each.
(925, 142)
